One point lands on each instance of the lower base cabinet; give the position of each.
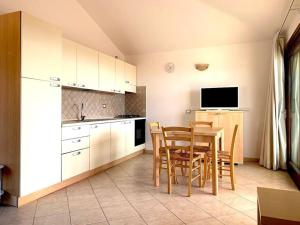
(74, 163)
(99, 145)
(118, 141)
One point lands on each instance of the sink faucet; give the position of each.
(82, 116)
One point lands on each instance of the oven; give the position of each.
(139, 131)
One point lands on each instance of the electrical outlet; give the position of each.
(103, 106)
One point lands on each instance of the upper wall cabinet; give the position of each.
(107, 70)
(41, 52)
(87, 68)
(120, 76)
(69, 69)
(130, 78)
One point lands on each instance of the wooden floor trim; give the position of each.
(39, 194)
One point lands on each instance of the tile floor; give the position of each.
(125, 195)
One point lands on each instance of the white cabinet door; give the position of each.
(129, 133)
(40, 135)
(69, 64)
(120, 77)
(41, 51)
(75, 163)
(130, 78)
(99, 145)
(118, 141)
(107, 71)
(87, 68)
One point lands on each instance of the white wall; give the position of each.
(170, 94)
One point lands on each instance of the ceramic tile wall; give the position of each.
(136, 103)
(93, 104)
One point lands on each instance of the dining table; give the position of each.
(213, 135)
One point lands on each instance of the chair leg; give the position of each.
(220, 171)
(205, 170)
(190, 179)
(160, 165)
(169, 173)
(200, 173)
(232, 175)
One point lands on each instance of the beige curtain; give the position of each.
(273, 145)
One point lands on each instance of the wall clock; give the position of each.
(169, 67)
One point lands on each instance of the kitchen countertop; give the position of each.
(93, 121)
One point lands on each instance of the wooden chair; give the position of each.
(162, 149)
(225, 161)
(181, 138)
(201, 147)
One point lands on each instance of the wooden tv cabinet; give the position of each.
(226, 119)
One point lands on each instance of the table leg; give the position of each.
(215, 166)
(156, 160)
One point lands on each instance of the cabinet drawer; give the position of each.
(75, 163)
(75, 132)
(75, 144)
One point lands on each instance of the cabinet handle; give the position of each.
(72, 84)
(76, 128)
(55, 78)
(76, 153)
(81, 85)
(113, 90)
(127, 82)
(76, 141)
(95, 126)
(52, 84)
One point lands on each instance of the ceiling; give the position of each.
(130, 27)
(75, 22)
(146, 26)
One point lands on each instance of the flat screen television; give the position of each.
(219, 98)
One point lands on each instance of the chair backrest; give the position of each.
(179, 138)
(201, 124)
(233, 141)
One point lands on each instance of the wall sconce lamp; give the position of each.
(201, 66)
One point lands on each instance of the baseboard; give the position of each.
(46, 191)
(246, 159)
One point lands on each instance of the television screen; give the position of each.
(221, 97)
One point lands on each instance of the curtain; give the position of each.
(294, 85)
(273, 144)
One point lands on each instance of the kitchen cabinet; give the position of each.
(129, 136)
(75, 163)
(107, 71)
(74, 144)
(41, 49)
(130, 78)
(99, 145)
(87, 68)
(40, 135)
(227, 120)
(118, 140)
(69, 61)
(120, 76)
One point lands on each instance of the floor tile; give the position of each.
(85, 203)
(210, 221)
(125, 195)
(52, 209)
(88, 216)
(59, 219)
(119, 212)
(128, 221)
(237, 219)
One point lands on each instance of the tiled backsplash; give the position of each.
(136, 103)
(93, 104)
(94, 101)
